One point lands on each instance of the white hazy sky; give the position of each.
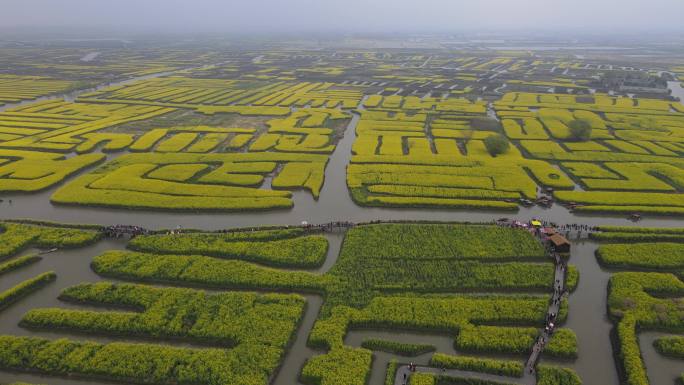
(390, 16)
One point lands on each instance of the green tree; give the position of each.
(580, 130)
(496, 144)
(467, 135)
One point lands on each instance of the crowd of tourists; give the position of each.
(541, 227)
(328, 226)
(118, 231)
(570, 226)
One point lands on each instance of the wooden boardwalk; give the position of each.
(529, 376)
(552, 313)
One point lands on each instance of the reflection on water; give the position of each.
(661, 370)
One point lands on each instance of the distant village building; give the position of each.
(634, 82)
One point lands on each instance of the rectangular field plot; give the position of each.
(209, 181)
(195, 92)
(409, 277)
(15, 88)
(288, 151)
(635, 147)
(426, 126)
(420, 282)
(174, 335)
(431, 153)
(482, 287)
(645, 293)
(87, 67)
(59, 126)
(30, 171)
(247, 333)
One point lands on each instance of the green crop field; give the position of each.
(319, 209)
(242, 336)
(645, 294)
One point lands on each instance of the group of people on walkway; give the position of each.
(536, 351)
(543, 339)
(559, 284)
(328, 226)
(540, 227)
(569, 226)
(412, 368)
(557, 295)
(118, 231)
(577, 227)
(550, 323)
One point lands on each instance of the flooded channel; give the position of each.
(661, 369)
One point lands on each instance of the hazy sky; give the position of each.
(347, 15)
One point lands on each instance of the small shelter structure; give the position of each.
(559, 243)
